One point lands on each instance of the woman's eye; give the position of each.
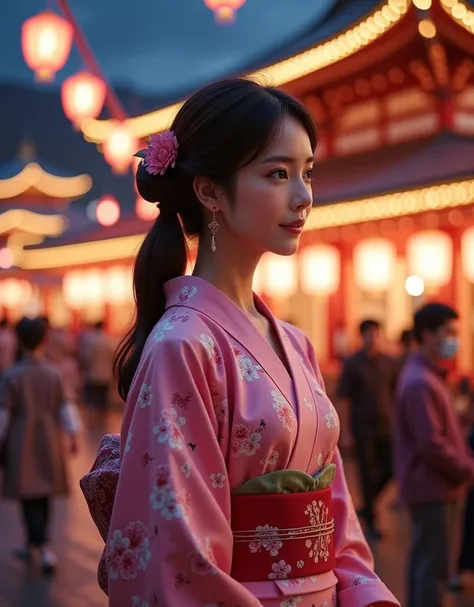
(309, 174)
(279, 174)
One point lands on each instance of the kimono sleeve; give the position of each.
(358, 585)
(170, 541)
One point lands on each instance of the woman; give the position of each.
(227, 421)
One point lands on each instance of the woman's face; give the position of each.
(273, 196)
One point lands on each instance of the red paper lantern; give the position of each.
(224, 9)
(108, 211)
(46, 41)
(119, 148)
(83, 96)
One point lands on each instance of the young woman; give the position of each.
(229, 443)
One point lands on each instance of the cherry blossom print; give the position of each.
(174, 507)
(244, 441)
(181, 580)
(147, 458)
(317, 388)
(181, 401)
(218, 480)
(211, 349)
(203, 561)
(332, 419)
(128, 553)
(186, 294)
(294, 582)
(186, 469)
(267, 538)
(222, 411)
(271, 460)
(361, 579)
(168, 429)
(280, 571)
(137, 602)
(300, 564)
(128, 442)
(145, 397)
(161, 328)
(248, 370)
(291, 601)
(307, 403)
(182, 318)
(284, 411)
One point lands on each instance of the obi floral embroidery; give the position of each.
(249, 371)
(318, 514)
(186, 294)
(145, 397)
(128, 552)
(168, 429)
(245, 441)
(284, 411)
(211, 349)
(266, 538)
(218, 480)
(164, 499)
(280, 571)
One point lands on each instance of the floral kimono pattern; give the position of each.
(212, 406)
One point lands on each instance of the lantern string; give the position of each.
(113, 103)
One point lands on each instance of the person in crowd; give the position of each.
(8, 346)
(60, 354)
(366, 391)
(432, 463)
(98, 361)
(33, 411)
(227, 427)
(407, 346)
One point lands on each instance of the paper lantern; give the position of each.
(374, 264)
(93, 286)
(15, 293)
(73, 290)
(146, 210)
(430, 256)
(46, 41)
(117, 285)
(467, 254)
(107, 211)
(119, 148)
(320, 270)
(83, 96)
(279, 275)
(224, 10)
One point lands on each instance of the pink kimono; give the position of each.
(212, 406)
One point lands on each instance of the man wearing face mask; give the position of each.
(432, 464)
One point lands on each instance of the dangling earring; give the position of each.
(213, 226)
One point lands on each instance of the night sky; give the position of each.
(159, 46)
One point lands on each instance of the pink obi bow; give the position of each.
(99, 487)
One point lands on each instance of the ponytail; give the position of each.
(162, 256)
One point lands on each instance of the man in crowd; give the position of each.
(432, 463)
(367, 389)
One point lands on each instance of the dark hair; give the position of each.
(406, 337)
(3, 323)
(431, 317)
(220, 129)
(31, 332)
(367, 324)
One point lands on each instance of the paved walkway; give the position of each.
(79, 546)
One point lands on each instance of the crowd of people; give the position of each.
(403, 423)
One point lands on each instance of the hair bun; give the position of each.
(159, 189)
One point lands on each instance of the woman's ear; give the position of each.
(210, 195)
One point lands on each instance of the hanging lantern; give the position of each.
(467, 254)
(73, 290)
(374, 264)
(146, 210)
(15, 293)
(46, 41)
(224, 9)
(119, 148)
(83, 96)
(108, 211)
(320, 270)
(279, 275)
(430, 256)
(117, 285)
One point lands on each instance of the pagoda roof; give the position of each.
(443, 158)
(30, 177)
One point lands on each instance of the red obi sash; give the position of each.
(282, 536)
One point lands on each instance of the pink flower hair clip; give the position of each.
(160, 154)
